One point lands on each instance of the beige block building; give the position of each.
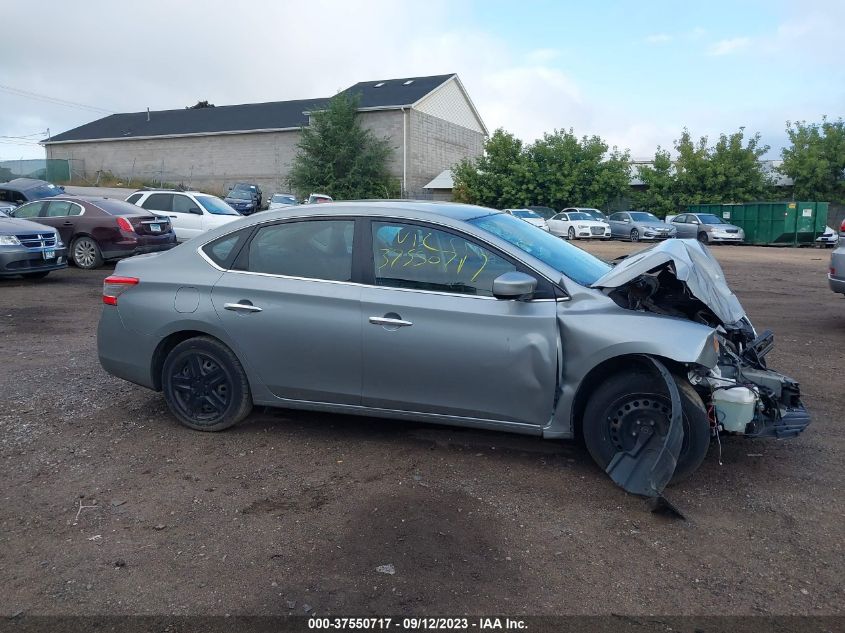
(431, 124)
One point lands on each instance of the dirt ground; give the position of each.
(107, 505)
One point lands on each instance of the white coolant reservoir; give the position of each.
(734, 408)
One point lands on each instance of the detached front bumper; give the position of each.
(21, 260)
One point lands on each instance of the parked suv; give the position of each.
(29, 249)
(98, 229)
(252, 189)
(191, 213)
(20, 190)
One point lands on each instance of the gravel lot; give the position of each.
(109, 506)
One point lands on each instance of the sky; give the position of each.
(634, 73)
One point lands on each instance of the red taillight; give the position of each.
(833, 271)
(115, 286)
(125, 225)
(842, 228)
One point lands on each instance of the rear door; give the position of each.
(683, 227)
(618, 226)
(436, 341)
(290, 306)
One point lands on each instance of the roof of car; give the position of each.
(399, 208)
(23, 184)
(273, 115)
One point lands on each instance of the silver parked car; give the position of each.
(836, 276)
(639, 225)
(452, 314)
(707, 228)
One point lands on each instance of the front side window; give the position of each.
(183, 204)
(30, 210)
(314, 249)
(419, 257)
(159, 202)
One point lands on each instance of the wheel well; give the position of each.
(601, 372)
(164, 348)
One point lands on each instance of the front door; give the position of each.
(62, 216)
(189, 216)
(291, 310)
(436, 341)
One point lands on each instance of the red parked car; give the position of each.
(99, 229)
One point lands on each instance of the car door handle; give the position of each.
(67, 224)
(388, 321)
(241, 307)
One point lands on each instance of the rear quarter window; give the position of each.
(134, 198)
(224, 250)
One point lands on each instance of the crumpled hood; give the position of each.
(13, 226)
(693, 264)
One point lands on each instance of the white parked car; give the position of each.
(578, 225)
(191, 213)
(532, 217)
(828, 238)
(282, 201)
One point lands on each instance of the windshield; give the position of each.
(279, 197)
(216, 206)
(642, 216)
(525, 213)
(570, 260)
(580, 216)
(709, 218)
(240, 194)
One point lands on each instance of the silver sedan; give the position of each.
(451, 314)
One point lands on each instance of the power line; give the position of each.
(54, 100)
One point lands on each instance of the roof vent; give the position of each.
(409, 82)
(379, 84)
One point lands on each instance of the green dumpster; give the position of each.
(772, 223)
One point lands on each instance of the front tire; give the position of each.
(571, 233)
(86, 253)
(702, 237)
(626, 401)
(635, 235)
(205, 385)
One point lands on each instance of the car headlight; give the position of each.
(583, 226)
(9, 240)
(59, 242)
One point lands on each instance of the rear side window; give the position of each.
(313, 249)
(58, 209)
(134, 198)
(159, 202)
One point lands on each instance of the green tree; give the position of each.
(339, 157)
(558, 170)
(815, 160)
(730, 171)
(658, 194)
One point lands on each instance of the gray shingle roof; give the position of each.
(390, 93)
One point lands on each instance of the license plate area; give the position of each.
(49, 253)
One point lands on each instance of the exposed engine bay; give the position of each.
(681, 279)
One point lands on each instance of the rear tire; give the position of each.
(86, 253)
(39, 275)
(627, 400)
(205, 385)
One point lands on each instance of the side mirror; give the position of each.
(195, 210)
(514, 285)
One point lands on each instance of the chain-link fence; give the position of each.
(52, 170)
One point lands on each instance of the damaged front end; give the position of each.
(680, 278)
